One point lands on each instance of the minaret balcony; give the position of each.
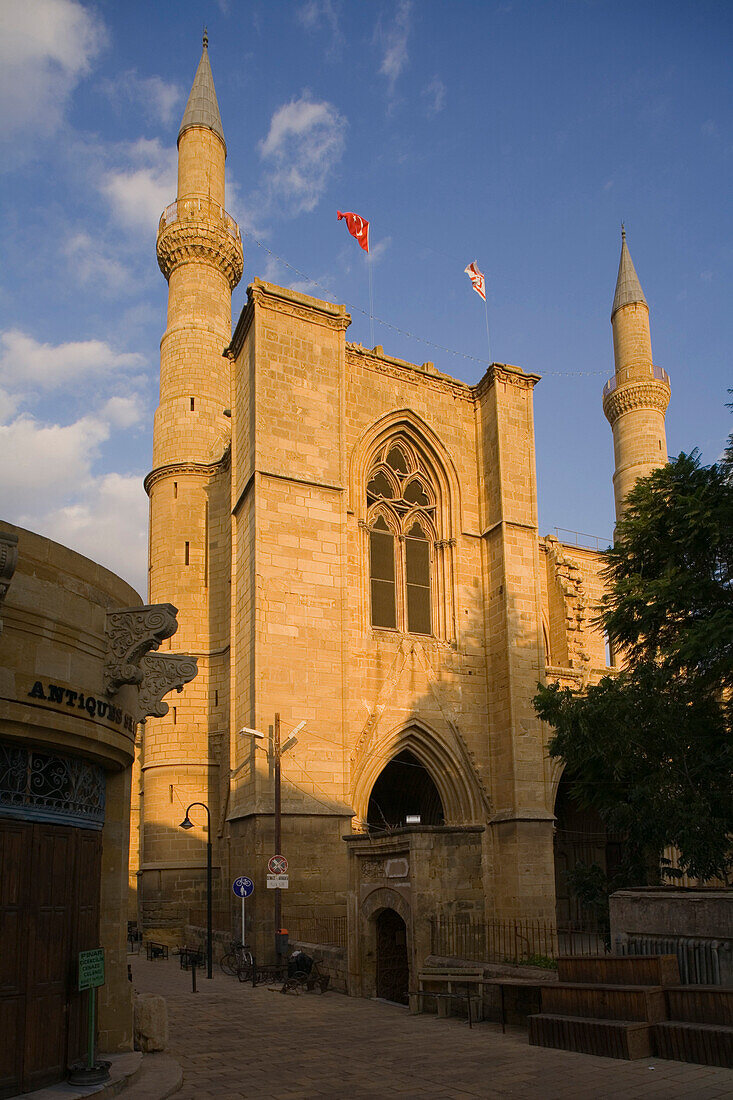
(192, 209)
(658, 373)
(197, 229)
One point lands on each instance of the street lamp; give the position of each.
(278, 750)
(188, 824)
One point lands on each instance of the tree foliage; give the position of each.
(652, 748)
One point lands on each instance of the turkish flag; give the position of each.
(357, 227)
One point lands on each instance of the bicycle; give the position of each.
(239, 960)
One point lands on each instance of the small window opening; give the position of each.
(188, 553)
(175, 715)
(192, 404)
(397, 460)
(382, 568)
(610, 655)
(170, 791)
(417, 570)
(380, 487)
(415, 493)
(175, 490)
(216, 698)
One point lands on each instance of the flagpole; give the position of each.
(371, 298)
(488, 341)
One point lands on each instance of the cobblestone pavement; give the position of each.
(236, 1041)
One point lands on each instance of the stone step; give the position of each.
(706, 1044)
(605, 1002)
(619, 969)
(702, 1004)
(608, 1038)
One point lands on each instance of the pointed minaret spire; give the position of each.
(628, 287)
(636, 398)
(202, 108)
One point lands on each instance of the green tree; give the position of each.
(652, 748)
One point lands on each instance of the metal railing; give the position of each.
(512, 941)
(590, 542)
(656, 372)
(189, 208)
(324, 930)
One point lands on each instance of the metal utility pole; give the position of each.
(278, 826)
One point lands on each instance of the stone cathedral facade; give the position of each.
(351, 541)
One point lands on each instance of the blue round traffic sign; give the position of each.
(243, 886)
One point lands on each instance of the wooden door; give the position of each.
(49, 905)
(14, 882)
(392, 968)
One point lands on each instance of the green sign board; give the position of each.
(91, 968)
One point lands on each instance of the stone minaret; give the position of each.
(200, 253)
(636, 398)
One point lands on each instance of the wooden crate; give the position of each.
(702, 1004)
(607, 1038)
(706, 1044)
(605, 1002)
(619, 969)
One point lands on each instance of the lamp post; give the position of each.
(188, 824)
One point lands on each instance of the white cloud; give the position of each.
(376, 251)
(123, 412)
(140, 190)
(46, 48)
(434, 93)
(158, 99)
(108, 523)
(395, 43)
(315, 13)
(8, 405)
(26, 363)
(49, 486)
(91, 262)
(304, 144)
(45, 462)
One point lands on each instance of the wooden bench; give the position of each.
(156, 950)
(462, 982)
(191, 956)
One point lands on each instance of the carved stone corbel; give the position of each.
(131, 633)
(161, 673)
(8, 562)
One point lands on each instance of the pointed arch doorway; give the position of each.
(392, 963)
(404, 789)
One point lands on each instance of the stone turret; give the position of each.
(200, 253)
(636, 398)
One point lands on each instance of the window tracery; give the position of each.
(403, 536)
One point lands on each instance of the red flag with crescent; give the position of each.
(477, 279)
(358, 227)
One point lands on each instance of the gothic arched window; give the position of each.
(401, 519)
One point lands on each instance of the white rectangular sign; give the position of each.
(277, 882)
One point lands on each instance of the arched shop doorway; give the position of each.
(392, 964)
(404, 794)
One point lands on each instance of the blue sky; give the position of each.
(518, 134)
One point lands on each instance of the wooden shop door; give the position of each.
(49, 911)
(392, 967)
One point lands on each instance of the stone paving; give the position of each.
(236, 1041)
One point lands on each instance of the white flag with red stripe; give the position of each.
(477, 279)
